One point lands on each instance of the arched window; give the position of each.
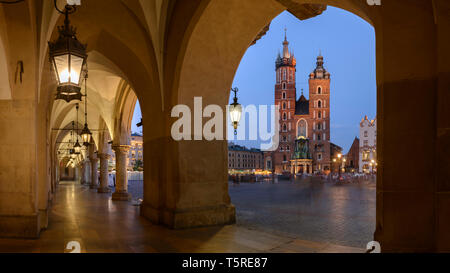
(284, 95)
(284, 116)
(284, 128)
(320, 114)
(288, 148)
(319, 104)
(284, 158)
(284, 86)
(319, 126)
(302, 128)
(269, 163)
(284, 74)
(319, 90)
(284, 106)
(318, 137)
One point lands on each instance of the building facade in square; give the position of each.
(368, 145)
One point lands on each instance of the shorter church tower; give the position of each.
(319, 110)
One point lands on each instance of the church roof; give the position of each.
(302, 106)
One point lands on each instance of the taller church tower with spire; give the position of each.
(285, 97)
(305, 119)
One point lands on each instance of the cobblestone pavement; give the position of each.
(136, 189)
(314, 210)
(318, 211)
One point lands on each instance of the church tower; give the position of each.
(285, 97)
(319, 110)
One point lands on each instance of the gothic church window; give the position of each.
(301, 130)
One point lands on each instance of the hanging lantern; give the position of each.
(86, 135)
(77, 148)
(235, 111)
(77, 145)
(68, 59)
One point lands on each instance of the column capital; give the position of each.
(103, 156)
(121, 148)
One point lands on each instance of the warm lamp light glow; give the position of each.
(235, 111)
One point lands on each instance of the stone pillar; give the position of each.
(94, 172)
(86, 172)
(121, 192)
(103, 188)
(83, 178)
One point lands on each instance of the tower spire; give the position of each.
(286, 53)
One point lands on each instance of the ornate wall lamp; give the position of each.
(235, 111)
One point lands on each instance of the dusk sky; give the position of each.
(347, 43)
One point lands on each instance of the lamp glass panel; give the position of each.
(86, 138)
(76, 68)
(235, 113)
(62, 68)
(78, 149)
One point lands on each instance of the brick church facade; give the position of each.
(304, 119)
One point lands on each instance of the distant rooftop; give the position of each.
(234, 147)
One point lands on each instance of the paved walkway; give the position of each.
(100, 225)
(317, 210)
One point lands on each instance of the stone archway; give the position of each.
(228, 34)
(199, 45)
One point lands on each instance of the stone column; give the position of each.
(104, 174)
(86, 172)
(94, 172)
(82, 181)
(121, 192)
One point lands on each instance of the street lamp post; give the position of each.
(340, 165)
(340, 159)
(372, 165)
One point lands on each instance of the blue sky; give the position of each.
(347, 43)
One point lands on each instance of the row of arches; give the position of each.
(158, 50)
